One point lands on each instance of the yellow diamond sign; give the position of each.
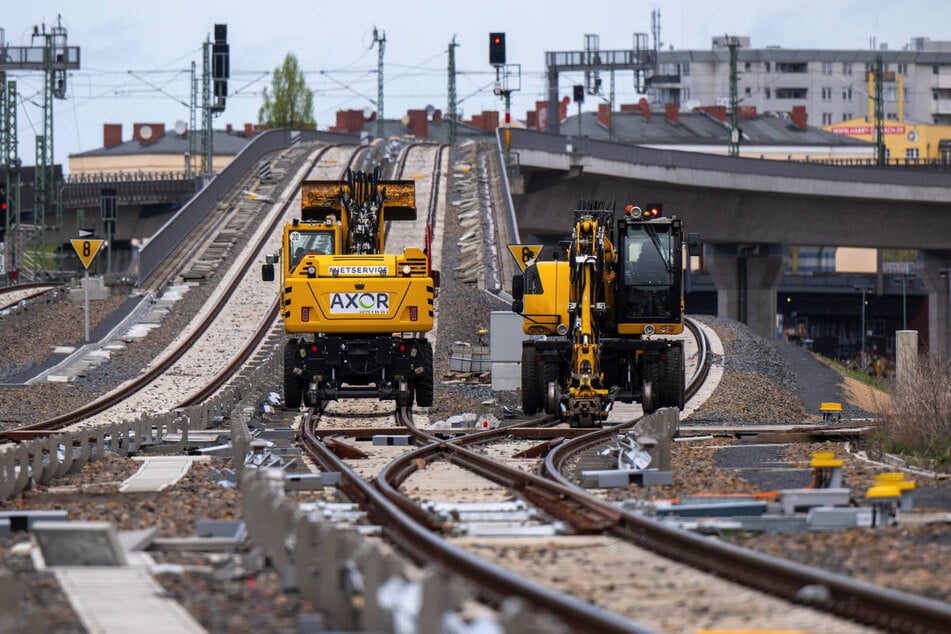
(86, 249)
(525, 254)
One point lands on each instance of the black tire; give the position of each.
(670, 391)
(424, 384)
(292, 382)
(531, 383)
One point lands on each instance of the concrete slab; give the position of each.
(138, 540)
(839, 518)
(24, 520)
(120, 600)
(802, 499)
(612, 478)
(310, 481)
(394, 439)
(79, 544)
(158, 473)
(64, 349)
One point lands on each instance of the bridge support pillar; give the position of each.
(747, 279)
(934, 268)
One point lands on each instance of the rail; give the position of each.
(164, 241)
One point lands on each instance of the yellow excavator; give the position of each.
(599, 316)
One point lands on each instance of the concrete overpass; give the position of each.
(746, 210)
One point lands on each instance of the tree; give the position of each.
(290, 104)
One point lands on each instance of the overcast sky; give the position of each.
(136, 56)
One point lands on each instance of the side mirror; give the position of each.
(518, 292)
(267, 272)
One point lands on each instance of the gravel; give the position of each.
(764, 381)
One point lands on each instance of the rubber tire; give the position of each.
(670, 391)
(425, 390)
(293, 388)
(531, 382)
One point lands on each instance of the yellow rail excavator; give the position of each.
(599, 317)
(356, 316)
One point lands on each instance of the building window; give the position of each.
(904, 93)
(685, 94)
(767, 93)
(891, 93)
(891, 115)
(748, 66)
(792, 93)
(869, 68)
(766, 66)
(749, 91)
(847, 93)
(846, 68)
(903, 69)
(685, 69)
(934, 95)
(826, 118)
(826, 68)
(911, 153)
(826, 93)
(934, 69)
(792, 67)
(846, 116)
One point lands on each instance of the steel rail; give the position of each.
(829, 592)
(41, 289)
(421, 545)
(124, 391)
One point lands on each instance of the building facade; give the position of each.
(833, 85)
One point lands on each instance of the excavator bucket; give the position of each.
(400, 203)
(320, 199)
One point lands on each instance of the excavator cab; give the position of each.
(650, 285)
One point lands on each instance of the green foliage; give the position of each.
(289, 103)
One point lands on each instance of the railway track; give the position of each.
(775, 591)
(203, 359)
(371, 475)
(10, 296)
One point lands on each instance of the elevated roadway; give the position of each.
(746, 210)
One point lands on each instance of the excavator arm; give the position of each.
(592, 272)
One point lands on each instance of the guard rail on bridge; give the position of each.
(167, 238)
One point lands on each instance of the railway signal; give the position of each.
(497, 49)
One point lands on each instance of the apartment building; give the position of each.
(833, 85)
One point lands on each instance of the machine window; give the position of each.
(309, 243)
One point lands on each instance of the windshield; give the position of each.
(649, 274)
(649, 260)
(301, 243)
